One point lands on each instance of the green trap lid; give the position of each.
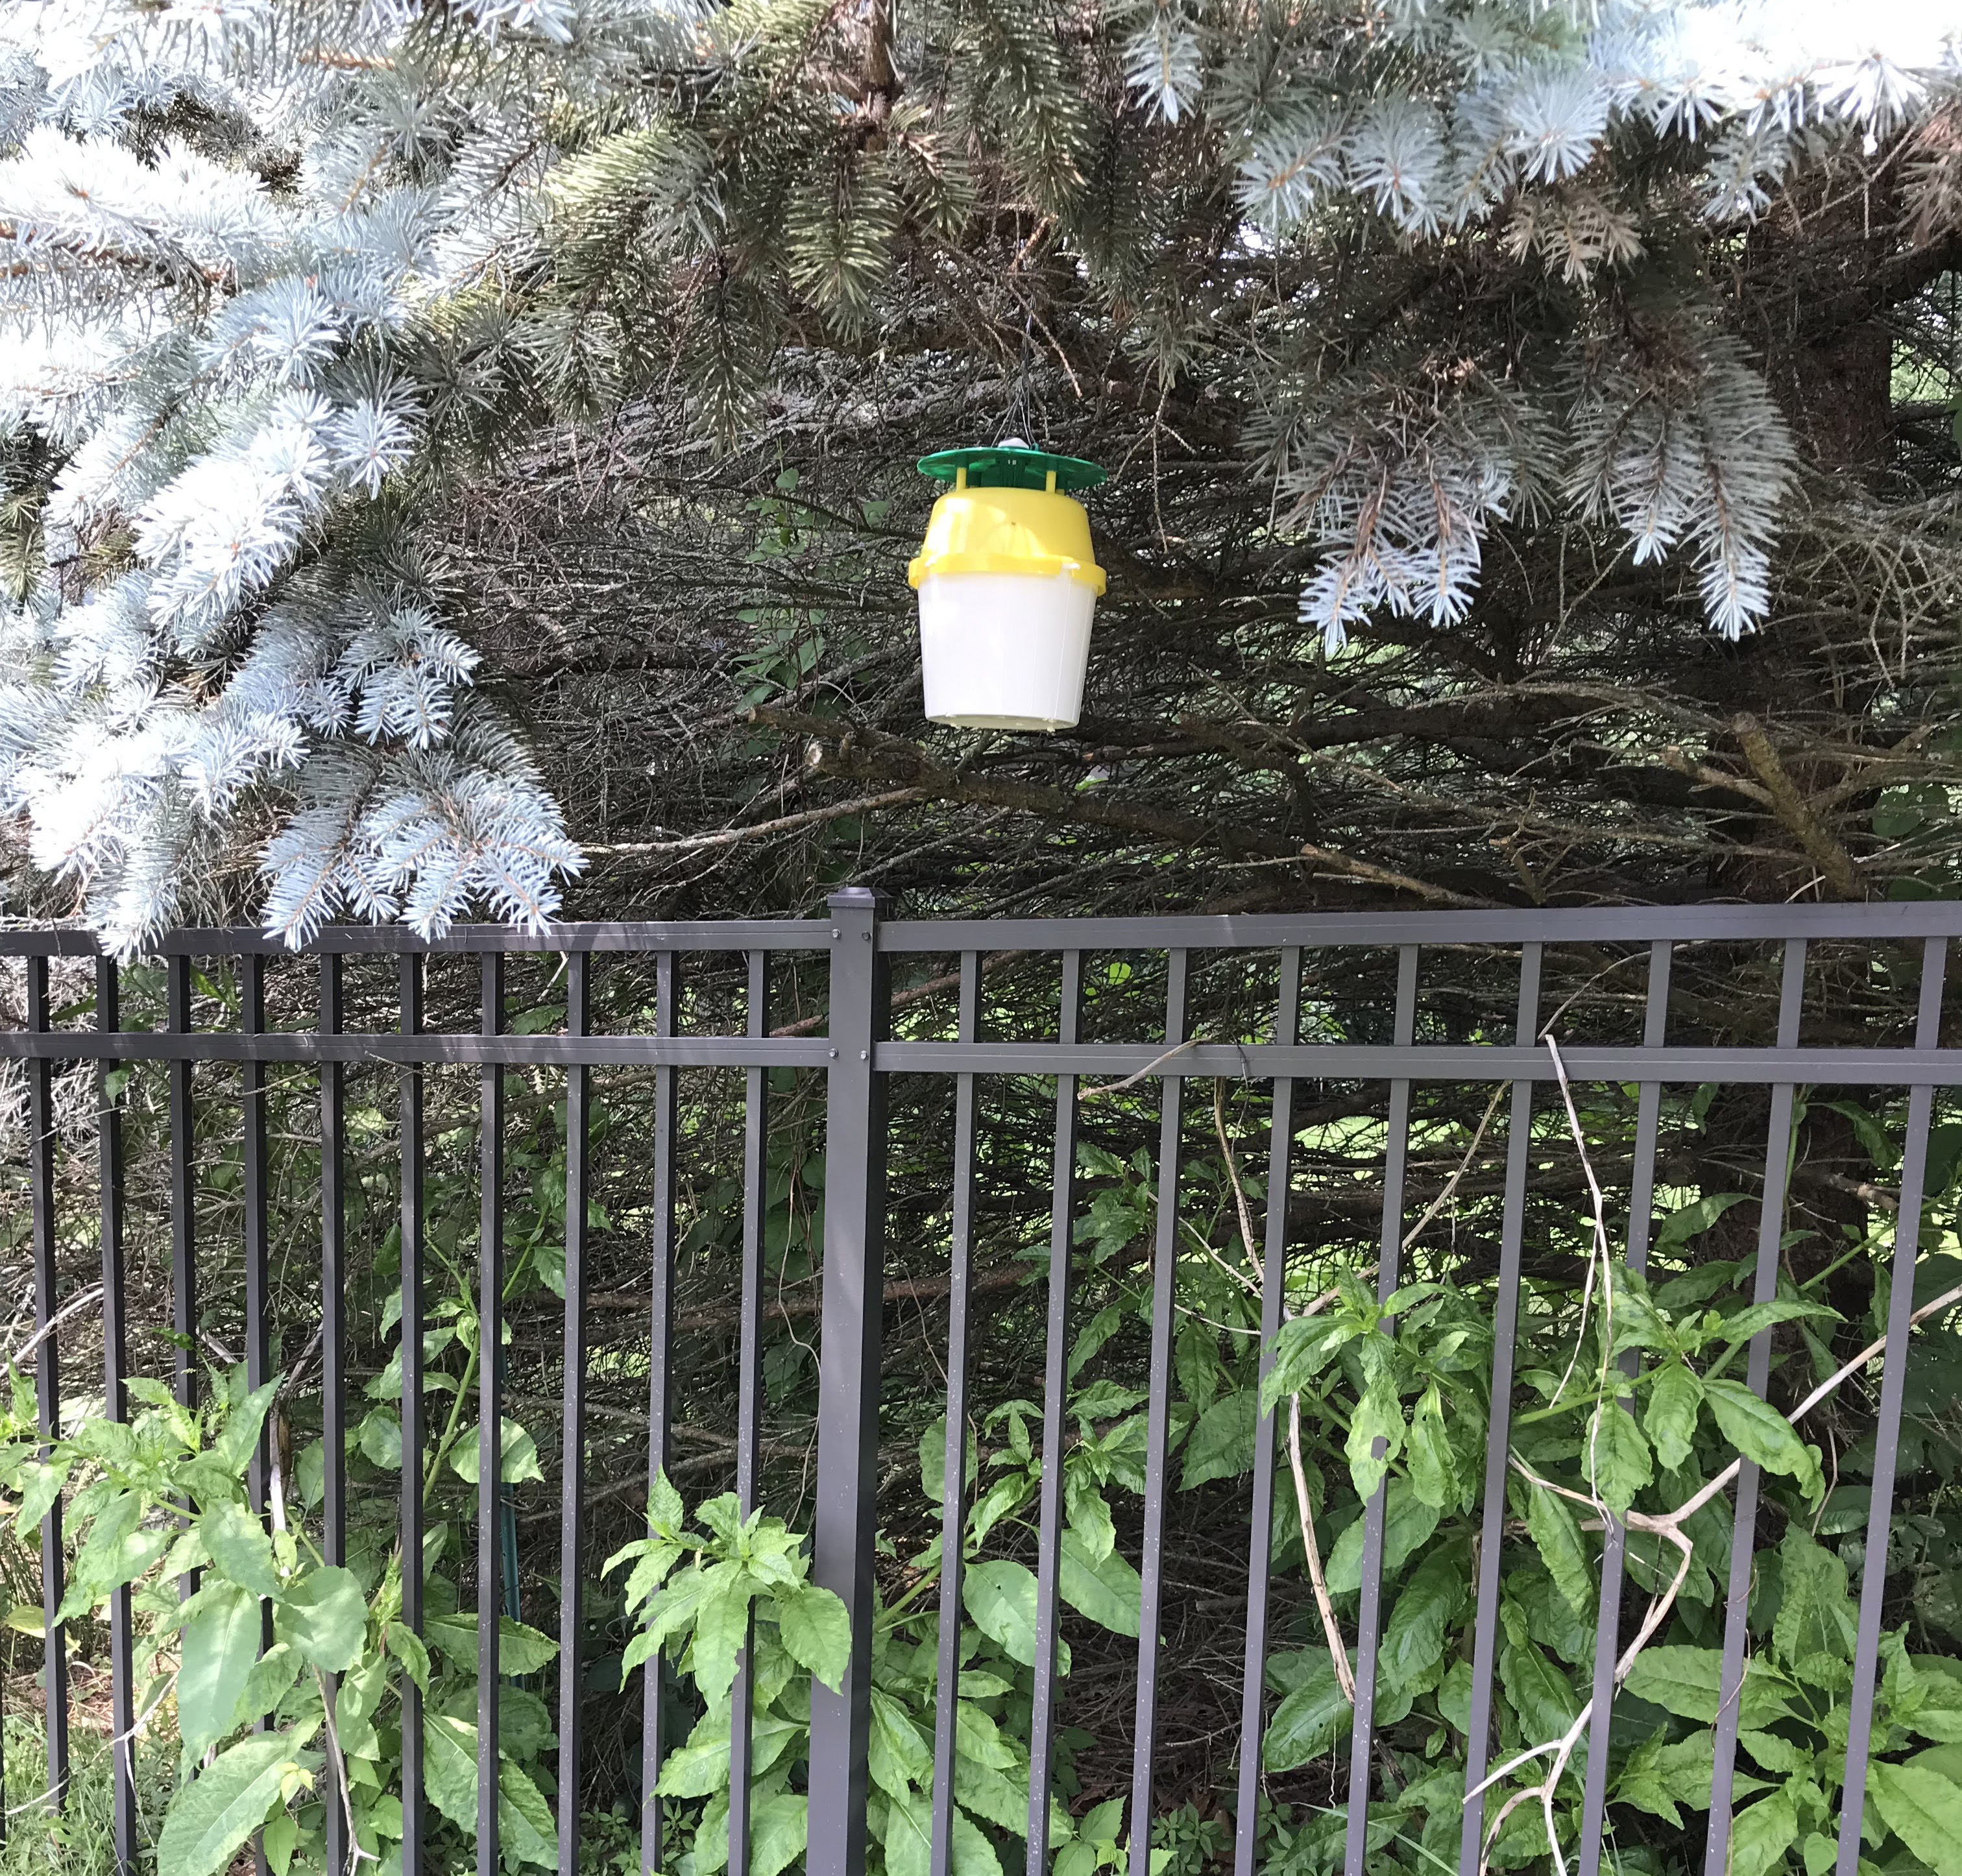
(1011, 465)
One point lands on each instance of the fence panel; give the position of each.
(1373, 1050)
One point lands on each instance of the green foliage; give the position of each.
(1636, 1402)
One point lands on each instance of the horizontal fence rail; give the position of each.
(872, 1047)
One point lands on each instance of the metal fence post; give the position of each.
(848, 1376)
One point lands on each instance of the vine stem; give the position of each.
(356, 1855)
(1338, 1650)
(1600, 1247)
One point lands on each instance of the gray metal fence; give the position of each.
(858, 1060)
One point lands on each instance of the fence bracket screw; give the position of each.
(836, 933)
(834, 1055)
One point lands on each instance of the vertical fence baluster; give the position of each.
(1362, 1733)
(1498, 1433)
(1260, 1542)
(1887, 1434)
(333, 1354)
(252, 1182)
(849, 1325)
(1614, 1549)
(750, 1389)
(954, 1481)
(115, 1377)
(1056, 1379)
(409, 1095)
(653, 1741)
(254, 1179)
(1737, 1596)
(572, 1463)
(184, 1217)
(47, 1378)
(490, 1413)
(1157, 1425)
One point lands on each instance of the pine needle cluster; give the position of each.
(275, 274)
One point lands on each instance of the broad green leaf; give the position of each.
(1556, 1534)
(1434, 1474)
(1692, 1221)
(721, 1628)
(325, 1616)
(527, 1831)
(1379, 1420)
(520, 1650)
(1001, 1595)
(1407, 1522)
(407, 1647)
(1938, 1691)
(1617, 1456)
(900, 1757)
(909, 1836)
(209, 1820)
(236, 1442)
(976, 1735)
(1107, 1591)
(990, 1793)
(973, 1855)
(1540, 1695)
(1088, 1512)
(1923, 1809)
(1759, 1430)
(1687, 1681)
(355, 1698)
(220, 1642)
(1221, 1443)
(666, 1513)
(1662, 1773)
(40, 1485)
(1431, 1600)
(1946, 1760)
(1104, 1824)
(1005, 1495)
(816, 1629)
(700, 1768)
(1675, 1397)
(1075, 1858)
(310, 1474)
(1638, 1323)
(1306, 1723)
(1776, 1753)
(381, 1439)
(933, 1460)
(1761, 1834)
(1304, 1348)
(116, 1550)
(772, 1736)
(450, 1769)
(1454, 1695)
(776, 1827)
(1815, 1615)
(1748, 1322)
(272, 1674)
(656, 1558)
(239, 1547)
(711, 1836)
(518, 1456)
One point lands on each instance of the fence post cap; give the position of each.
(858, 899)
